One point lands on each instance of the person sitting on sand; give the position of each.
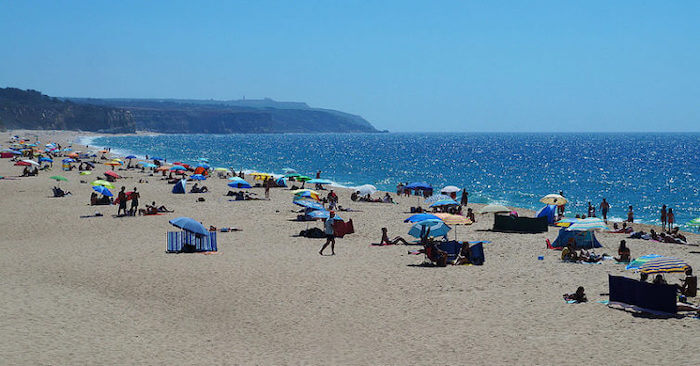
(659, 280)
(568, 254)
(470, 215)
(623, 252)
(579, 296)
(93, 198)
(465, 255)
(394, 241)
(197, 189)
(58, 192)
(689, 285)
(355, 195)
(387, 198)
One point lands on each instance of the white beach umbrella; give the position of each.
(494, 209)
(554, 199)
(30, 162)
(450, 189)
(366, 189)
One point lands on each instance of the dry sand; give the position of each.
(102, 290)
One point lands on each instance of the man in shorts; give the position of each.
(330, 234)
(122, 202)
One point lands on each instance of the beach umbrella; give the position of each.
(176, 168)
(289, 170)
(130, 157)
(590, 224)
(566, 222)
(203, 165)
(494, 209)
(321, 214)
(419, 186)
(437, 197)
(451, 219)
(450, 189)
(85, 173)
(222, 170)
(236, 179)
(102, 190)
(198, 177)
(635, 264)
(22, 163)
(43, 159)
(72, 155)
(309, 204)
(59, 178)
(156, 158)
(437, 228)
(449, 202)
(319, 181)
(307, 194)
(292, 175)
(189, 224)
(663, 265)
(553, 199)
(303, 178)
(366, 189)
(68, 161)
(102, 183)
(113, 164)
(32, 162)
(204, 160)
(162, 168)
(421, 217)
(694, 222)
(112, 174)
(149, 165)
(239, 184)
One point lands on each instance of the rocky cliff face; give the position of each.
(29, 109)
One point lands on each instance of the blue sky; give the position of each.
(403, 65)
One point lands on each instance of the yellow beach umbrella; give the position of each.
(297, 191)
(451, 219)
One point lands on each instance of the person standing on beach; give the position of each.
(318, 174)
(561, 208)
(671, 219)
(330, 233)
(630, 215)
(267, 188)
(663, 217)
(122, 201)
(590, 209)
(465, 198)
(134, 202)
(604, 207)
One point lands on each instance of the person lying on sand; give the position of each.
(152, 209)
(396, 240)
(579, 296)
(58, 192)
(589, 257)
(197, 189)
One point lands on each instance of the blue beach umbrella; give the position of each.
(178, 168)
(437, 228)
(43, 159)
(309, 204)
(419, 185)
(437, 197)
(321, 214)
(130, 157)
(421, 217)
(189, 224)
(239, 184)
(156, 158)
(319, 181)
(203, 165)
(198, 177)
(102, 190)
(69, 160)
(449, 202)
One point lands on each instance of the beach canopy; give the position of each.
(421, 217)
(189, 224)
(179, 187)
(309, 204)
(419, 185)
(437, 228)
(366, 189)
(549, 212)
(663, 265)
(494, 209)
(239, 184)
(553, 199)
(437, 197)
(450, 189)
(102, 190)
(589, 224)
(582, 239)
(635, 264)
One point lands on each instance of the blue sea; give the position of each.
(644, 170)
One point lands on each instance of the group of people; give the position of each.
(569, 254)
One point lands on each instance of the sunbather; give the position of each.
(579, 296)
(689, 285)
(396, 240)
(465, 255)
(623, 252)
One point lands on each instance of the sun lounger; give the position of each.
(178, 239)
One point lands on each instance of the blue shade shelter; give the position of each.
(282, 182)
(549, 212)
(239, 184)
(180, 187)
(583, 239)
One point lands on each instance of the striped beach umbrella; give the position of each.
(663, 265)
(635, 264)
(694, 222)
(591, 224)
(567, 222)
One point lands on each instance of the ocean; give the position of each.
(644, 170)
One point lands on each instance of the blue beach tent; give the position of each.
(179, 187)
(549, 212)
(584, 239)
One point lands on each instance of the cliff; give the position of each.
(29, 109)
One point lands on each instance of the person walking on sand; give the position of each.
(330, 233)
(671, 219)
(267, 188)
(134, 202)
(664, 217)
(122, 202)
(604, 208)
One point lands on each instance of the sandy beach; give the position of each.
(102, 290)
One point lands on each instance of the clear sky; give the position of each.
(403, 65)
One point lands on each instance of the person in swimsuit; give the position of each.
(671, 219)
(604, 207)
(623, 252)
(663, 217)
(396, 240)
(630, 215)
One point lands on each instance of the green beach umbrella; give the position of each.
(103, 183)
(59, 178)
(85, 173)
(303, 178)
(694, 222)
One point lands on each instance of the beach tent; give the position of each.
(179, 187)
(549, 212)
(584, 239)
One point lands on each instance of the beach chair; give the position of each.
(477, 252)
(452, 248)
